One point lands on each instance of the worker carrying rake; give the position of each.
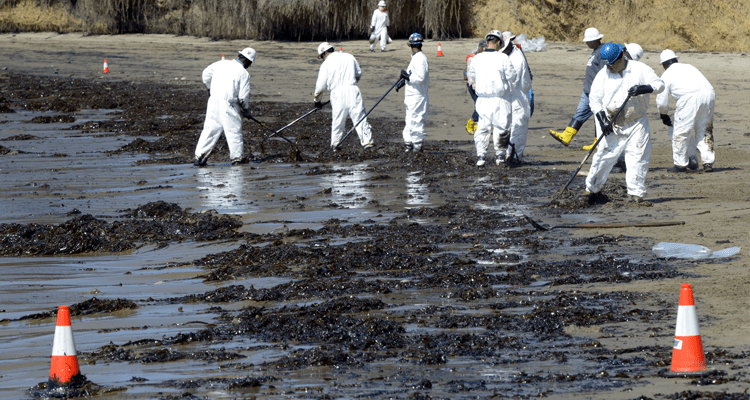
(416, 78)
(339, 74)
(621, 92)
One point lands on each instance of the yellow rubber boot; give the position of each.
(471, 126)
(589, 146)
(564, 137)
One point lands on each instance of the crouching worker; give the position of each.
(416, 77)
(629, 133)
(228, 84)
(340, 73)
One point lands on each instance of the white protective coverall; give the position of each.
(694, 112)
(520, 102)
(632, 135)
(492, 74)
(339, 74)
(416, 99)
(379, 23)
(229, 83)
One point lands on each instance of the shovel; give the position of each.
(539, 227)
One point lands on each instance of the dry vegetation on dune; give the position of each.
(717, 25)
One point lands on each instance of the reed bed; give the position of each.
(717, 25)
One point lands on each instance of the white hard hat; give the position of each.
(325, 46)
(667, 55)
(248, 53)
(592, 34)
(381, 3)
(494, 34)
(635, 50)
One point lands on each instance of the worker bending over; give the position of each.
(693, 114)
(229, 90)
(629, 133)
(339, 74)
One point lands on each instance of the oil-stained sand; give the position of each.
(361, 274)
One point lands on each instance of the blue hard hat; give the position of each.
(610, 52)
(416, 38)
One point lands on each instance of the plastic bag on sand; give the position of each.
(691, 251)
(535, 44)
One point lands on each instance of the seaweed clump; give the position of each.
(154, 223)
(88, 307)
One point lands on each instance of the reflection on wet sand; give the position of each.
(349, 185)
(225, 189)
(416, 191)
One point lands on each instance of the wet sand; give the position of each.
(43, 188)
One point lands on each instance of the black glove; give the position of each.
(404, 75)
(209, 92)
(665, 119)
(638, 90)
(372, 29)
(246, 113)
(604, 122)
(401, 83)
(318, 105)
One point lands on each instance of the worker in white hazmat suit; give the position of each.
(471, 124)
(693, 115)
(629, 133)
(520, 100)
(492, 73)
(379, 27)
(229, 89)
(339, 74)
(416, 77)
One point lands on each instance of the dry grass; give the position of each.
(655, 24)
(717, 25)
(29, 15)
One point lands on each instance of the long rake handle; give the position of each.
(294, 122)
(272, 131)
(622, 107)
(623, 225)
(368, 113)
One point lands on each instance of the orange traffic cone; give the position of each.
(687, 352)
(106, 68)
(341, 49)
(222, 57)
(440, 50)
(64, 356)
